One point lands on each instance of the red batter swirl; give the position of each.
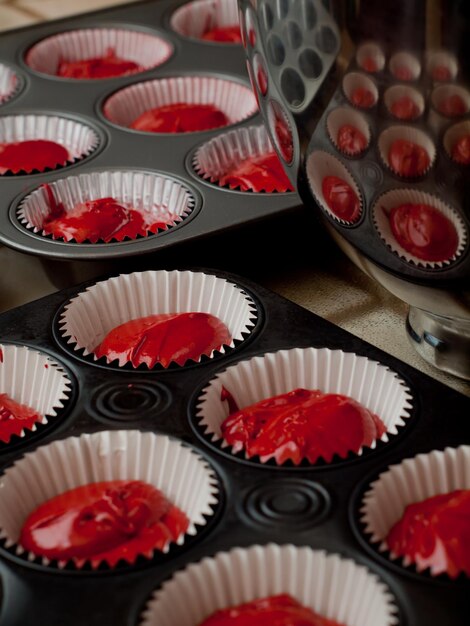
(369, 64)
(102, 220)
(15, 417)
(402, 72)
(30, 155)
(106, 521)
(350, 140)
(453, 106)
(435, 533)
(424, 232)
(362, 98)
(408, 159)
(302, 424)
(223, 34)
(280, 610)
(341, 198)
(164, 338)
(405, 108)
(461, 150)
(107, 66)
(263, 173)
(181, 117)
(441, 73)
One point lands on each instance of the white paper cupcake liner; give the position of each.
(92, 314)
(148, 51)
(344, 115)
(149, 193)
(355, 80)
(334, 587)
(413, 480)
(278, 119)
(331, 371)
(321, 164)
(453, 134)
(218, 156)
(408, 61)
(438, 120)
(395, 93)
(182, 475)
(442, 58)
(396, 197)
(194, 19)
(34, 379)
(8, 83)
(372, 51)
(79, 139)
(407, 133)
(235, 100)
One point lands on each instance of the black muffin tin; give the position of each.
(216, 209)
(315, 506)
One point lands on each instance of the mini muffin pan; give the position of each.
(121, 149)
(257, 503)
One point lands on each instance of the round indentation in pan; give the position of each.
(130, 402)
(267, 16)
(293, 35)
(309, 13)
(276, 50)
(310, 64)
(326, 40)
(292, 87)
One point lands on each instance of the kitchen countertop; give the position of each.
(327, 284)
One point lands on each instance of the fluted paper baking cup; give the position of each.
(370, 55)
(34, 379)
(395, 93)
(332, 586)
(345, 116)
(182, 475)
(146, 50)
(236, 101)
(92, 314)
(373, 385)
(413, 480)
(194, 19)
(396, 197)
(221, 155)
(442, 92)
(407, 133)
(155, 196)
(8, 83)
(445, 60)
(404, 61)
(452, 136)
(355, 80)
(77, 138)
(321, 164)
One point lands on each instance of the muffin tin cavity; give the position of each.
(195, 19)
(125, 403)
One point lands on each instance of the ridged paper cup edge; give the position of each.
(370, 49)
(394, 93)
(355, 80)
(407, 133)
(193, 19)
(345, 116)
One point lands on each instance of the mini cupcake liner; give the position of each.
(149, 193)
(281, 128)
(373, 52)
(412, 480)
(344, 115)
(181, 474)
(196, 18)
(438, 120)
(407, 60)
(355, 80)
(392, 94)
(331, 371)
(406, 133)
(442, 58)
(321, 164)
(8, 83)
(90, 315)
(453, 134)
(79, 139)
(218, 156)
(395, 197)
(34, 379)
(148, 51)
(331, 585)
(235, 100)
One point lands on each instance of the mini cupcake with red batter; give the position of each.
(408, 152)
(244, 160)
(449, 103)
(105, 499)
(213, 21)
(405, 67)
(184, 104)
(370, 57)
(33, 391)
(348, 131)
(299, 406)
(360, 90)
(442, 66)
(457, 143)
(106, 206)
(404, 103)
(9, 83)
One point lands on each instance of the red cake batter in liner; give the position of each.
(223, 34)
(258, 174)
(441, 73)
(461, 150)
(107, 66)
(402, 72)
(30, 155)
(453, 106)
(15, 417)
(408, 159)
(181, 117)
(405, 108)
(362, 98)
(341, 198)
(350, 140)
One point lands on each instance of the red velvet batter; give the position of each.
(402, 72)
(181, 117)
(424, 232)
(164, 338)
(408, 159)
(263, 173)
(461, 150)
(283, 135)
(30, 155)
(435, 533)
(102, 220)
(453, 106)
(280, 610)
(363, 98)
(441, 73)
(14, 417)
(341, 198)
(369, 64)
(105, 521)
(302, 424)
(405, 108)
(107, 66)
(262, 79)
(224, 34)
(350, 140)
